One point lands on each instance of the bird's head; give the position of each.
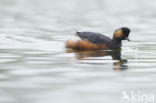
(122, 33)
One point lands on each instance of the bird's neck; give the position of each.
(116, 40)
(116, 43)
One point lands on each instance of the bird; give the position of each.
(98, 41)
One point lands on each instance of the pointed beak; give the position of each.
(128, 39)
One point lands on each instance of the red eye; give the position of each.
(123, 35)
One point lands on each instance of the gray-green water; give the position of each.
(36, 68)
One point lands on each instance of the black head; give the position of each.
(122, 33)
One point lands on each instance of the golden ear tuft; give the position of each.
(118, 33)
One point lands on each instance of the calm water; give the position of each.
(36, 68)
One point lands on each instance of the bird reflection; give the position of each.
(118, 65)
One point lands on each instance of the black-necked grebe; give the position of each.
(97, 41)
